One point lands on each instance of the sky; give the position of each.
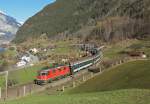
(21, 10)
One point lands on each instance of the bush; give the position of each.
(12, 82)
(12, 48)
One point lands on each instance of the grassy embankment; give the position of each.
(124, 84)
(110, 97)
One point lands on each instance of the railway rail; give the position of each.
(76, 70)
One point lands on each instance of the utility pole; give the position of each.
(24, 90)
(0, 93)
(6, 84)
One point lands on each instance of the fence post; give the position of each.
(74, 85)
(33, 88)
(116, 63)
(100, 69)
(18, 92)
(83, 78)
(0, 93)
(63, 88)
(24, 90)
(91, 74)
(120, 62)
(30, 89)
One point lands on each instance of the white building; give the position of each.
(24, 61)
(34, 50)
(21, 63)
(25, 58)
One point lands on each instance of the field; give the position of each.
(22, 76)
(133, 96)
(64, 48)
(124, 84)
(113, 51)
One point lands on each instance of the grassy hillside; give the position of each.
(125, 84)
(22, 76)
(127, 76)
(110, 97)
(65, 17)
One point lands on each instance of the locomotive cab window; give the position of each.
(60, 69)
(63, 68)
(54, 71)
(43, 73)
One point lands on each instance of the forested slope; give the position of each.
(100, 19)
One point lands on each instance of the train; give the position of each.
(49, 74)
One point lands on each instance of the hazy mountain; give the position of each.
(8, 27)
(100, 19)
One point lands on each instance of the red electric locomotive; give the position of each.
(48, 74)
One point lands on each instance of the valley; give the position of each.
(77, 52)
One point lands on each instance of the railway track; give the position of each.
(18, 91)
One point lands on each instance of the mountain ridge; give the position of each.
(8, 27)
(67, 19)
